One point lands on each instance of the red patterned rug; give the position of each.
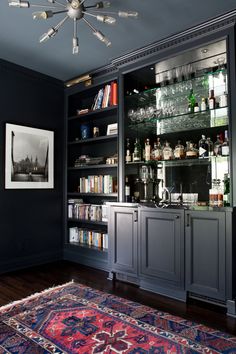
(74, 318)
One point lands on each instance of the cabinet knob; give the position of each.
(176, 216)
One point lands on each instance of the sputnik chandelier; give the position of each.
(75, 10)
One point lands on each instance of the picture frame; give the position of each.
(29, 158)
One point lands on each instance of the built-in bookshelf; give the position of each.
(92, 161)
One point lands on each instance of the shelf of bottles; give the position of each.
(179, 123)
(184, 105)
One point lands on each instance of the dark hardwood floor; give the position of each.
(22, 283)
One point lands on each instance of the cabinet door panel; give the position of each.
(160, 235)
(123, 233)
(205, 254)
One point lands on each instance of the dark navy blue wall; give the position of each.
(30, 219)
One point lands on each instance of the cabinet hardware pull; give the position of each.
(188, 220)
(176, 216)
(135, 216)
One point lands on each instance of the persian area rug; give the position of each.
(74, 318)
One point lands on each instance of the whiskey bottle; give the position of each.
(203, 147)
(147, 150)
(156, 153)
(179, 152)
(137, 151)
(225, 145)
(167, 151)
(212, 100)
(191, 151)
(128, 152)
(217, 146)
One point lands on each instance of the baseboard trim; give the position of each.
(29, 261)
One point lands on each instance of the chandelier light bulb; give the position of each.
(46, 36)
(42, 15)
(102, 38)
(75, 47)
(126, 14)
(19, 3)
(106, 19)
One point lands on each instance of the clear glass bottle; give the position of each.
(223, 101)
(128, 151)
(147, 151)
(137, 151)
(203, 147)
(213, 194)
(225, 145)
(210, 147)
(203, 105)
(156, 153)
(196, 108)
(179, 152)
(191, 151)
(217, 146)
(220, 202)
(167, 151)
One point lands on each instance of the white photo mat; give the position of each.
(29, 158)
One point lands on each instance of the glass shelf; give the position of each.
(183, 122)
(149, 93)
(88, 167)
(183, 162)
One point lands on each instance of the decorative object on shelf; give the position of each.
(112, 160)
(84, 160)
(29, 157)
(75, 10)
(112, 129)
(85, 131)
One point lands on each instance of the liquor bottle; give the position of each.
(223, 100)
(156, 153)
(226, 197)
(179, 152)
(191, 101)
(127, 190)
(217, 146)
(203, 147)
(210, 147)
(203, 105)
(167, 151)
(191, 151)
(147, 150)
(225, 145)
(212, 100)
(220, 202)
(137, 151)
(196, 108)
(128, 152)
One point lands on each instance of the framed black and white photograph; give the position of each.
(29, 157)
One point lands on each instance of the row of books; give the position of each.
(88, 237)
(106, 96)
(91, 212)
(97, 184)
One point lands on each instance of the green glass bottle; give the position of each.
(191, 101)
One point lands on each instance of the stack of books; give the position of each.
(106, 97)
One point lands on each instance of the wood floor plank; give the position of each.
(19, 284)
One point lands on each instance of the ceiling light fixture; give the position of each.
(75, 10)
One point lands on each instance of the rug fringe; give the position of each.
(13, 303)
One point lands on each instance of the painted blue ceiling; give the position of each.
(158, 19)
